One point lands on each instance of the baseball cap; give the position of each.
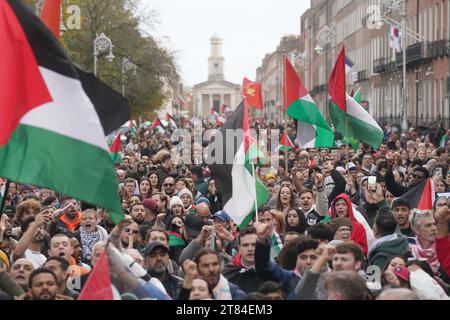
(402, 273)
(222, 215)
(153, 246)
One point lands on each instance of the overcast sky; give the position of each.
(249, 29)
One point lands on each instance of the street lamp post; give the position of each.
(127, 65)
(101, 44)
(326, 37)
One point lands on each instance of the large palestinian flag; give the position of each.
(54, 117)
(345, 110)
(233, 170)
(312, 129)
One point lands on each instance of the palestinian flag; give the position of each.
(252, 94)
(171, 120)
(133, 128)
(176, 239)
(220, 120)
(116, 149)
(98, 285)
(54, 117)
(421, 197)
(157, 125)
(233, 169)
(312, 129)
(286, 143)
(361, 124)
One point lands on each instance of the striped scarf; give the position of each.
(222, 290)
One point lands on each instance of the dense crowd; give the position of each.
(329, 230)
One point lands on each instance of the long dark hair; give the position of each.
(158, 185)
(148, 195)
(302, 223)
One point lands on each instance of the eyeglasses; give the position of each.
(128, 230)
(418, 176)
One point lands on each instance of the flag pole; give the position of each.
(2, 206)
(346, 133)
(256, 197)
(284, 110)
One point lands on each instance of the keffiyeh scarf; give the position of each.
(88, 239)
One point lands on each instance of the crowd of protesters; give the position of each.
(325, 233)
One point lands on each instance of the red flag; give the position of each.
(252, 93)
(294, 87)
(51, 15)
(98, 285)
(116, 146)
(336, 85)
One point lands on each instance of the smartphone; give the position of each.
(372, 183)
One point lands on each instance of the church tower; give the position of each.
(216, 60)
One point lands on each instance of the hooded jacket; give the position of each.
(394, 246)
(245, 278)
(358, 232)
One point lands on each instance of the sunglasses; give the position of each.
(418, 176)
(128, 230)
(168, 185)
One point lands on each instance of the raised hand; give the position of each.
(190, 269)
(263, 231)
(442, 215)
(374, 197)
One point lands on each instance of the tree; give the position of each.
(121, 21)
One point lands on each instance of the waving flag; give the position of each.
(286, 143)
(343, 108)
(252, 94)
(116, 149)
(348, 64)
(170, 120)
(312, 129)
(157, 126)
(53, 122)
(240, 186)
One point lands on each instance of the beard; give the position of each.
(158, 270)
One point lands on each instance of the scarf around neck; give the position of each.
(222, 290)
(430, 254)
(88, 239)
